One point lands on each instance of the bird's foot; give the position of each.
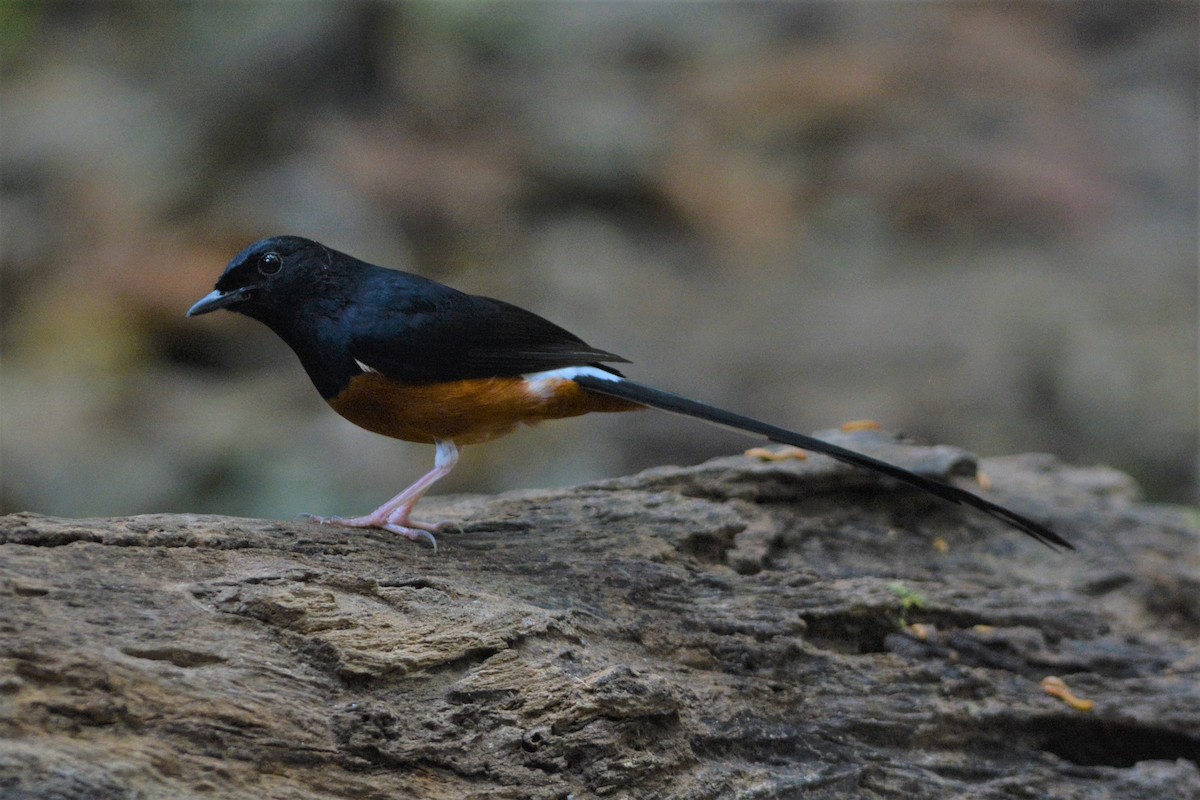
(412, 529)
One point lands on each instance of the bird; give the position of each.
(410, 358)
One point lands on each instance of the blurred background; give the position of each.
(975, 223)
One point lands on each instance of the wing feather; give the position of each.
(436, 334)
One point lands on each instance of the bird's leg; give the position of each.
(394, 514)
(396, 510)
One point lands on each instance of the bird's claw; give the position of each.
(413, 534)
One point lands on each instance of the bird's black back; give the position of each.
(340, 314)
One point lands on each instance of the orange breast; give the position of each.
(465, 412)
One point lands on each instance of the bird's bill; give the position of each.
(217, 299)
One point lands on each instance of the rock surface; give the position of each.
(740, 628)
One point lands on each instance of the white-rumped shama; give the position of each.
(413, 359)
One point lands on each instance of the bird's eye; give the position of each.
(270, 263)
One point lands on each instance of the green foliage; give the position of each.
(910, 600)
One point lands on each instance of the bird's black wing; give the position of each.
(418, 331)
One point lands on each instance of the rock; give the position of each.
(736, 629)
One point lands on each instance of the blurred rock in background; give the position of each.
(974, 223)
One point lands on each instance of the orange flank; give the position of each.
(464, 412)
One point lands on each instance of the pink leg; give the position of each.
(394, 514)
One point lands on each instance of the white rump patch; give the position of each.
(543, 383)
(364, 367)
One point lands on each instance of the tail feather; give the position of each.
(665, 401)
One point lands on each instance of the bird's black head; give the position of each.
(270, 277)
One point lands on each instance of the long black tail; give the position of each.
(673, 403)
